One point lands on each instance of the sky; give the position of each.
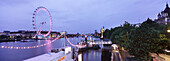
(78, 16)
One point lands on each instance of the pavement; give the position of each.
(157, 58)
(166, 57)
(161, 57)
(116, 56)
(124, 54)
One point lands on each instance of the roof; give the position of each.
(51, 56)
(167, 10)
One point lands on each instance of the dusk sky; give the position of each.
(83, 16)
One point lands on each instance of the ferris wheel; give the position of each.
(38, 29)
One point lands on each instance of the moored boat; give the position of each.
(62, 54)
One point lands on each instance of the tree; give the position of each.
(18, 37)
(142, 41)
(119, 35)
(150, 37)
(115, 38)
(146, 39)
(107, 34)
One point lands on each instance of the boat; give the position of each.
(88, 46)
(62, 54)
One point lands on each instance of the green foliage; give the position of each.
(115, 37)
(119, 34)
(150, 37)
(107, 34)
(142, 41)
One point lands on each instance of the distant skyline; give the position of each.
(79, 16)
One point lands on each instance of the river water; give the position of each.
(22, 54)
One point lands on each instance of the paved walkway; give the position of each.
(157, 58)
(166, 57)
(116, 56)
(124, 54)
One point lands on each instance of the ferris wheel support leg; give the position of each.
(39, 30)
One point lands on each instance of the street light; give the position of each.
(168, 30)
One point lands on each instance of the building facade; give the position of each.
(164, 16)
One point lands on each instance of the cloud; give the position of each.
(83, 16)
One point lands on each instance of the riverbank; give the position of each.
(9, 40)
(14, 40)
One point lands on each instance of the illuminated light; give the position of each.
(37, 46)
(2, 46)
(64, 57)
(168, 30)
(41, 45)
(16, 47)
(79, 46)
(61, 58)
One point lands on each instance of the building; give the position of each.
(164, 16)
(28, 34)
(101, 32)
(137, 25)
(5, 33)
(96, 34)
(2, 33)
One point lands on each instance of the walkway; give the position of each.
(124, 54)
(157, 58)
(166, 57)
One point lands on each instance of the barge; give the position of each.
(62, 54)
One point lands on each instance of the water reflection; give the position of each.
(95, 55)
(49, 46)
(22, 54)
(106, 55)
